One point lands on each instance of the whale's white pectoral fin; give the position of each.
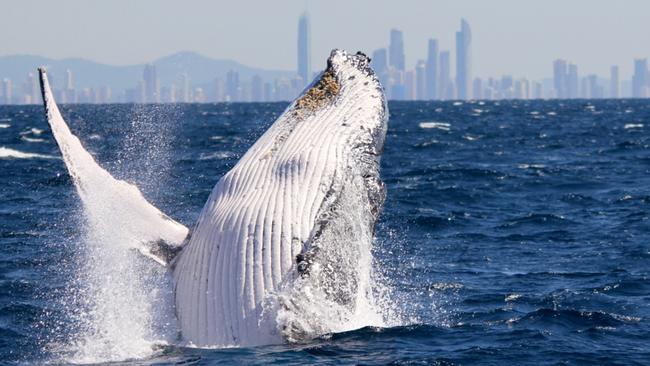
(112, 201)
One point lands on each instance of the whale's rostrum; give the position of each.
(282, 247)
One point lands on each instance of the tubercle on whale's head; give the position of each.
(354, 72)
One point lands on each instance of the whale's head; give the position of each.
(348, 94)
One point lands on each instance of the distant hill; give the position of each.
(199, 68)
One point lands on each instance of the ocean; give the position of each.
(514, 233)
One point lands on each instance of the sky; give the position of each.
(516, 37)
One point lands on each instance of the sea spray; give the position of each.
(338, 290)
(121, 302)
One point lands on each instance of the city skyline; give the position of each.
(428, 79)
(509, 36)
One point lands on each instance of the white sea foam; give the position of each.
(439, 125)
(33, 131)
(216, 155)
(31, 139)
(512, 297)
(4, 125)
(7, 153)
(633, 125)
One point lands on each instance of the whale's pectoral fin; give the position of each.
(110, 202)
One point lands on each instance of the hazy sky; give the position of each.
(519, 37)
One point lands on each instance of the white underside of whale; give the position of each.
(308, 188)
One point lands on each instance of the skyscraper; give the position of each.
(232, 86)
(257, 89)
(151, 84)
(463, 60)
(7, 91)
(380, 64)
(613, 82)
(304, 49)
(444, 78)
(396, 50)
(184, 88)
(640, 78)
(432, 70)
(572, 81)
(420, 81)
(477, 89)
(560, 81)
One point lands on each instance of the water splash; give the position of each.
(340, 290)
(119, 303)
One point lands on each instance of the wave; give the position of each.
(31, 139)
(33, 131)
(216, 155)
(7, 153)
(439, 125)
(4, 125)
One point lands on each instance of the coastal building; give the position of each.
(614, 84)
(463, 60)
(432, 69)
(304, 48)
(396, 55)
(640, 79)
(444, 79)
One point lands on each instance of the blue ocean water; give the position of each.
(515, 232)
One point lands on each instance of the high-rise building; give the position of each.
(572, 81)
(232, 86)
(614, 85)
(396, 50)
(380, 60)
(7, 91)
(68, 84)
(184, 96)
(538, 92)
(522, 89)
(463, 60)
(432, 70)
(410, 85)
(421, 81)
(444, 78)
(304, 49)
(380, 65)
(477, 89)
(69, 94)
(640, 78)
(218, 90)
(30, 90)
(151, 84)
(560, 79)
(257, 89)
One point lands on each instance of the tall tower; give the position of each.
(560, 79)
(463, 59)
(444, 78)
(396, 50)
(7, 90)
(380, 64)
(613, 82)
(151, 84)
(572, 81)
(421, 80)
(432, 70)
(640, 78)
(304, 49)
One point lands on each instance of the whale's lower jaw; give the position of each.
(289, 228)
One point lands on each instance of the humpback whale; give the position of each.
(281, 248)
